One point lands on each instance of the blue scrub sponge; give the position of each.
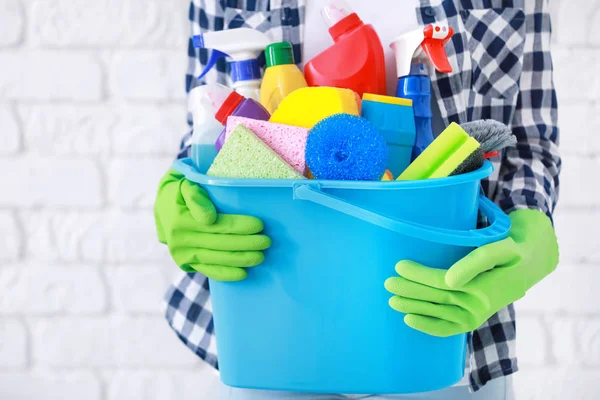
(346, 147)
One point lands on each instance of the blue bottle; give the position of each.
(412, 50)
(417, 87)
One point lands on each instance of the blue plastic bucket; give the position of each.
(314, 317)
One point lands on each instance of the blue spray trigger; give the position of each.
(215, 55)
(198, 41)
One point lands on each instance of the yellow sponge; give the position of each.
(306, 106)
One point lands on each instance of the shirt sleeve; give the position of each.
(185, 146)
(529, 172)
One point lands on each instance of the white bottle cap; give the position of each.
(335, 11)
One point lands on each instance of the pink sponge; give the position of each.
(287, 141)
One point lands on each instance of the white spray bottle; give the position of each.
(413, 50)
(202, 104)
(243, 46)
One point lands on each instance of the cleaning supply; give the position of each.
(206, 127)
(413, 50)
(282, 76)
(451, 153)
(446, 303)
(346, 147)
(355, 61)
(334, 245)
(387, 176)
(286, 140)
(244, 155)
(243, 46)
(220, 246)
(394, 117)
(493, 136)
(307, 106)
(228, 103)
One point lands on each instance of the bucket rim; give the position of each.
(186, 167)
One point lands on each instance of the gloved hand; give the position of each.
(445, 303)
(219, 246)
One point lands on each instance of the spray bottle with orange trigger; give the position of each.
(413, 50)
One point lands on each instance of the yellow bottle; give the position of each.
(282, 76)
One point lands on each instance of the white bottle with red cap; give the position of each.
(210, 106)
(207, 129)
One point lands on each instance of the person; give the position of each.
(502, 70)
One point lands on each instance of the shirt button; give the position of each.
(430, 11)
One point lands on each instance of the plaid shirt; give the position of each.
(502, 67)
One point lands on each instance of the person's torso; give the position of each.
(486, 54)
(486, 51)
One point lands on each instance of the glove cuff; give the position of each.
(533, 232)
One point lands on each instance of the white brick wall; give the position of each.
(91, 92)
(44, 75)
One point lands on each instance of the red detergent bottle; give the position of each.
(355, 61)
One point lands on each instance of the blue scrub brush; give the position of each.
(346, 147)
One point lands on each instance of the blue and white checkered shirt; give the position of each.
(502, 66)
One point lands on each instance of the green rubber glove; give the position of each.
(445, 303)
(219, 246)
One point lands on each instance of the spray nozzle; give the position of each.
(335, 11)
(242, 45)
(215, 55)
(340, 18)
(436, 36)
(430, 40)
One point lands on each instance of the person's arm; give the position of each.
(446, 303)
(529, 173)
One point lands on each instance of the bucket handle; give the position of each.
(497, 230)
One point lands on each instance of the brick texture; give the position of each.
(50, 385)
(76, 289)
(56, 182)
(138, 289)
(13, 348)
(133, 23)
(11, 135)
(12, 22)
(108, 342)
(59, 79)
(92, 109)
(11, 238)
